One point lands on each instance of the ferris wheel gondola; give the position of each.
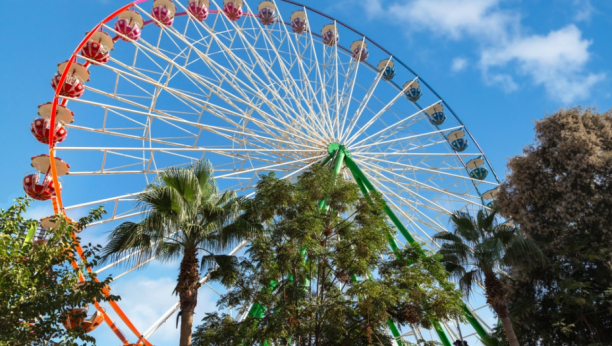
(253, 90)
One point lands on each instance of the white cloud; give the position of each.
(144, 300)
(557, 61)
(459, 64)
(584, 10)
(455, 18)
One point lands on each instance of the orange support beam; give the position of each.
(58, 205)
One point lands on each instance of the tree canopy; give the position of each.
(185, 216)
(38, 285)
(321, 273)
(560, 193)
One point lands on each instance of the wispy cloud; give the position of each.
(584, 10)
(459, 64)
(556, 60)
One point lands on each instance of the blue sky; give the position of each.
(499, 64)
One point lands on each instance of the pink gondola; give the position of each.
(73, 84)
(233, 9)
(199, 9)
(98, 48)
(129, 25)
(163, 12)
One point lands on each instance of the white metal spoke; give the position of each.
(378, 115)
(255, 99)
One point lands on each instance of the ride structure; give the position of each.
(253, 90)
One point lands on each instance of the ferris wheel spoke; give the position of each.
(299, 99)
(385, 154)
(218, 111)
(328, 99)
(410, 218)
(291, 89)
(362, 107)
(425, 185)
(325, 113)
(336, 64)
(240, 154)
(240, 65)
(241, 62)
(266, 168)
(217, 90)
(434, 171)
(408, 188)
(349, 81)
(379, 114)
(404, 139)
(309, 90)
(429, 186)
(396, 127)
(224, 132)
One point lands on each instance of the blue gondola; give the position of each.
(387, 68)
(459, 144)
(413, 91)
(436, 114)
(479, 173)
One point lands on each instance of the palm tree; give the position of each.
(476, 248)
(185, 216)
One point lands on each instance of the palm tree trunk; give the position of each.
(187, 289)
(498, 300)
(512, 340)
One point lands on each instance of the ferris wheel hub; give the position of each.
(332, 148)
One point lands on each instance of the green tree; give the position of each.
(477, 248)
(560, 193)
(324, 276)
(185, 215)
(38, 286)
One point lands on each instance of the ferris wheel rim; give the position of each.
(60, 208)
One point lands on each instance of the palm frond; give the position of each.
(467, 281)
(203, 172)
(505, 233)
(163, 199)
(128, 239)
(459, 250)
(486, 220)
(167, 251)
(183, 181)
(464, 225)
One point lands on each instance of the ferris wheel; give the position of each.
(277, 87)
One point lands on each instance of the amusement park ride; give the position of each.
(254, 91)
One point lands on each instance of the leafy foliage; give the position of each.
(477, 247)
(38, 286)
(324, 276)
(185, 215)
(560, 193)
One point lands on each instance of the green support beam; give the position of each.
(366, 186)
(363, 182)
(30, 236)
(341, 155)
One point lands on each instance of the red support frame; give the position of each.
(58, 206)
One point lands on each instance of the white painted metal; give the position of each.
(255, 99)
